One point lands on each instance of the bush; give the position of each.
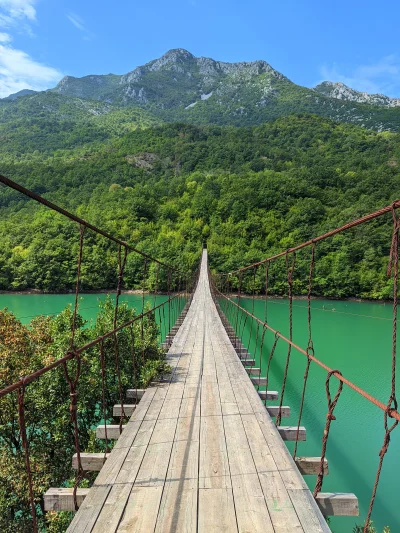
(24, 350)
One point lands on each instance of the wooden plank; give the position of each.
(113, 432)
(129, 409)
(248, 362)
(253, 371)
(130, 467)
(337, 504)
(188, 428)
(273, 411)
(113, 509)
(281, 509)
(216, 511)
(154, 466)
(85, 519)
(141, 510)
(260, 450)
(91, 462)
(250, 506)
(135, 394)
(290, 432)
(62, 499)
(171, 408)
(269, 395)
(259, 381)
(210, 400)
(281, 455)
(178, 508)
(308, 512)
(164, 431)
(309, 466)
(222, 467)
(214, 465)
(239, 452)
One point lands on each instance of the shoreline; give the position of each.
(35, 292)
(139, 292)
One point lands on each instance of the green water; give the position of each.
(27, 306)
(354, 338)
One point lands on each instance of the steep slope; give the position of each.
(248, 191)
(343, 92)
(47, 122)
(19, 94)
(180, 86)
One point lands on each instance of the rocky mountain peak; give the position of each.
(340, 91)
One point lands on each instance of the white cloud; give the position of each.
(76, 20)
(382, 76)
(5, 38)
(19, 71)
(79, 23)
(18, 9)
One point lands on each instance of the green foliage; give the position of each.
(24, 350)
(371, 529)
(250, 192)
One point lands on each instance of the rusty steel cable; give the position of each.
(290, 272)
(264, 331)
(169, 307)
(78, 279)
(266, 291)
(392, 405)
(103, 395)
(73, 393)
(72, 355)
(25, 446)
(73, 383)
(329, 417)
(271, 355)
(310, 346)
(122, 258)
(393, 413)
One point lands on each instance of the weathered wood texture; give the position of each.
(128, 410)
(91, 462)
(113, 432)
(337, 504)
(135, 394)
(63, 499)
(200, 452)
(310, 466)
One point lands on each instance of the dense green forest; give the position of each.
(24, 350)
(248, 192)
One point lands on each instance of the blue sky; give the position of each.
(352, 41)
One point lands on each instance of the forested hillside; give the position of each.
(248, 192)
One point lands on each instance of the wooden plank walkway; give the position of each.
(200, 453)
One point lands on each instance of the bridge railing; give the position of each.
(114, 358)
(253, 281)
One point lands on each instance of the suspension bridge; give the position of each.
(203, 447)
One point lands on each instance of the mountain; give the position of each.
(181, 87)
(341, 91)
(19, 94)
(47, 122)
(178, 87)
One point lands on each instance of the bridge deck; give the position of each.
(200, 453)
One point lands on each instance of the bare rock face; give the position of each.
(340, 91)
